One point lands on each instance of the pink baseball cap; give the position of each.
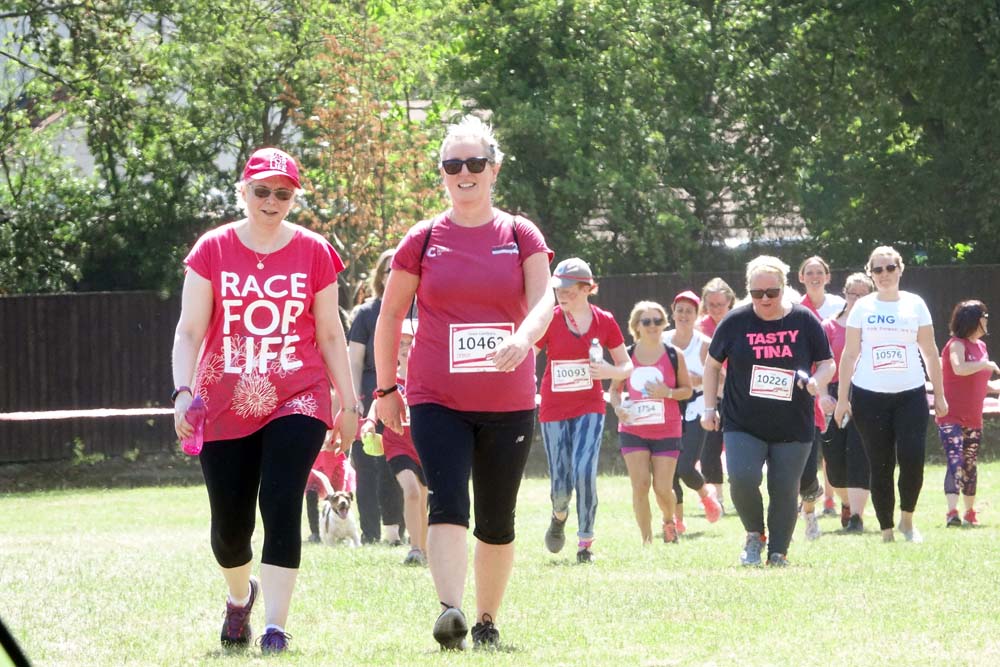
(267, 162)
(688, 295)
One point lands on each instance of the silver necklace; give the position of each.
(260, 260)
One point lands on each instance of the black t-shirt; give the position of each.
(363, 331)
(762, 397)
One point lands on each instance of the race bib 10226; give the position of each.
(772, 383)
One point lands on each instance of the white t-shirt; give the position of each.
(832, 305)
(692, 357)
(889, 361)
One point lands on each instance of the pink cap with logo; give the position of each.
(267, 162)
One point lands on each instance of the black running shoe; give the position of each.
(584, 556)
(555, 536)
(855, 525)
(450, 629)
(485, 635)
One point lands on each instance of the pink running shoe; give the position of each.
(969, 519)
(669, 532)
(679, 525)
(236, 628)
(952, 519)
(713, 510)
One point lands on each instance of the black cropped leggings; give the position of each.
(273, 462)
(691, 443)
(893, 429)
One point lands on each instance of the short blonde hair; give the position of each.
(711, 287)
(636, 315)
(768, 264)
(884, 250)
(473, 127)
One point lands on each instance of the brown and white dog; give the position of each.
(336, 523)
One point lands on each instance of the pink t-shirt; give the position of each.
(337, 468)
(394, 444)
(965, 393)
(671, 426)
(837, 335)
(260, 360)
(707, 325)
(562, 400)
(470, 296)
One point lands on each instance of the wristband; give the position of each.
(178, 391)
(707, 409)
(356, 408)
(379, 393)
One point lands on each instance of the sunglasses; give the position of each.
(263, 192)
(770, 293)
(891, 268)
(856, 295)
(658, 321)
(476, 165)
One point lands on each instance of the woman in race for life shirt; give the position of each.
(882, 388)
(649, 418)
(717, 299)
(814, 276)
(402, 458)
(966, 373)
(572, 408)
(767, 411)
(481, 277)
(846, 461)
(693, 344)
(261, 294)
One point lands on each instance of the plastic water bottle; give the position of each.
(596, 352)
(195, 416)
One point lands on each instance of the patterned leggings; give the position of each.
(961, 447)
(572, 446)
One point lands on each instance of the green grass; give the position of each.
(126, 577)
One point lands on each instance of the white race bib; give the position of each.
(772, 383)
(889, 358)
(471, 346)
(571, 375)
(646, 411)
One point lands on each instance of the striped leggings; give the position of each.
(572, 447)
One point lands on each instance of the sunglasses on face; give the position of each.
(856, 295)
(476, 165)
(770, 293)
(646, 321)
(890, 268)
(263, 192)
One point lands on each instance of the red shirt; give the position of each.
(965, 393)
(260, 360)
(671, 427)
(470, 296)
(394, 444)
(561, 345)
(338, 470)
(837, 335)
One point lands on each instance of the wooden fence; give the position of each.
(112, 350)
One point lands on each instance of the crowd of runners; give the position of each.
(772, 379)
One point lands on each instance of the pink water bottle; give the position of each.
(195, 416)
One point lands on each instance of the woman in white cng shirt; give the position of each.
(882, 388)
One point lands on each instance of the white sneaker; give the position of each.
(812, 526)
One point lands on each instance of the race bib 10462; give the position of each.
(773, 383)
(571, 375)
(471, 346)
(889, 358)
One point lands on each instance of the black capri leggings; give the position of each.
(491, 447)
(893, 428)
(274, 462)
(711, 457)
(846, 462)
(691, 443)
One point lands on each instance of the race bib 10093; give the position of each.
(571, 375)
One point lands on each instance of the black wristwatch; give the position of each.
(379, 393)
(178, 391)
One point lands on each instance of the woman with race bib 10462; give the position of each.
(481, 277)
(779, 361)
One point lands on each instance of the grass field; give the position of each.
(126, 577)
